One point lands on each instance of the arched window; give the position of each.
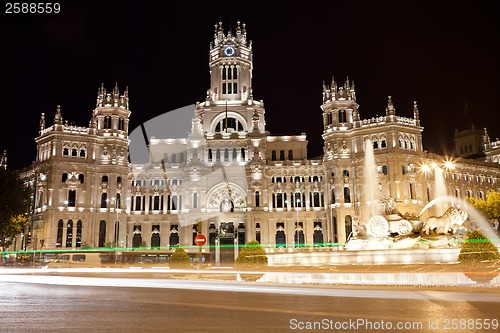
(82, 153)
(137, 238)
(273, 155)
(118, 201)
(257, 199)
(242, 154)
(290, 154)
(298, 235)
(317, 234)
(65, 151)
(383, 144)
(280, 234)
(375, 144)
(174, 235)
(155, 237)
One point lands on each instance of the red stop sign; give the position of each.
(200, 240)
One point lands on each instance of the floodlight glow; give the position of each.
(449, 165)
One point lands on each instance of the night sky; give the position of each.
(443, 55)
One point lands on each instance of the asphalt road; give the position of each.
(176, 306)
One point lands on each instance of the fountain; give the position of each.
(383, 228)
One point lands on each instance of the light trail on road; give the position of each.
(493, 294)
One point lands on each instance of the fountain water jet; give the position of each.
(474, 215)
(370, 184)
(439, 189)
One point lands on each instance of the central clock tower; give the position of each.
(230, 65)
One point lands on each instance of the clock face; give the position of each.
(229, 51)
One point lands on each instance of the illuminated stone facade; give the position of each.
(229, 173)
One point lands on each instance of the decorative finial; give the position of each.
(42, 122)
(486, 138)
(58, 117)
(390, 110)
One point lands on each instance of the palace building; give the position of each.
(229, 175)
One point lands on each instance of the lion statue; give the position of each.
(452, 218)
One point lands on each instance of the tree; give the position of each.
(14, 205)
(478, 248)
(179, 259)
(252, 255)
(489, 207)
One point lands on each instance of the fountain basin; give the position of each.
(427, 256)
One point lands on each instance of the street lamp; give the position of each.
(73, 223)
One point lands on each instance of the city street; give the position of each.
(64, 304)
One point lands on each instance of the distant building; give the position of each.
(491, 148)
(240, 181)
(469, 143)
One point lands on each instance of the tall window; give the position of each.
(78, 234)
(280, 234)
(257, 199)
(342, 116)
(104, 200)
(71, 198)
(229, 79)
(138, 203)
(69, 234)
(195, 200)
(59, 233)
(102, 233)
(347, 195)
(118, 201)
(107, 122)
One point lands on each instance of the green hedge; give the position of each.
(251, 255)
(477, 248)
(179, 259)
